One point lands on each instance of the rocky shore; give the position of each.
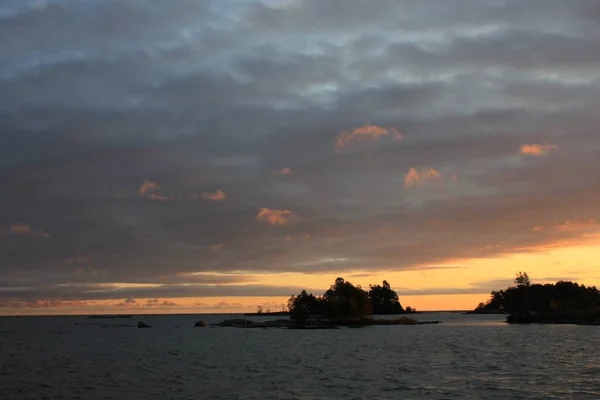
(319, 323)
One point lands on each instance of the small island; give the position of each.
(562, 302)
(343, 304)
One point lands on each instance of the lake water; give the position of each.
(465, 357)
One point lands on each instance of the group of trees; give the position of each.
(344, 300)
(559, 296)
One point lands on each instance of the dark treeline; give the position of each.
(552, 297)
(344, 300)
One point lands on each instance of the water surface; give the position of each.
(465, 357)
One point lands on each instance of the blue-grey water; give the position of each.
(465, 357)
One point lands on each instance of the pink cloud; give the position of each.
(276, 217)
(217, 246)
(217, 196)
(151, 190)
(158, 197)
(147, 187)
(367, 132)
(284, 171)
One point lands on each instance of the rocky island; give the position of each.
(342, 305)
(562, 302)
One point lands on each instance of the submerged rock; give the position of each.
(200, 324)
(142, 324)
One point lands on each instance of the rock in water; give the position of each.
(200, 324)
(142, 324)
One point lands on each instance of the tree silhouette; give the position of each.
(558, 297)
(384, 299)
(344, 300)
(522, 279)
(304, 304)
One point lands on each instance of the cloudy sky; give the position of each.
(215, 155)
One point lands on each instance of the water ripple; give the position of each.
(472, 358)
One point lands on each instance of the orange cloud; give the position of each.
(276, 217)
(49, 304)
(78, 260)
(20, 229)
(217, 196)
(147, 187)
(24, 229)
(537, 149)
(284, 171)
(128, 302)
(221, 305)
(415, 178)
(367, 132)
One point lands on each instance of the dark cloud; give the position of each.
(54, 294)
(140, 140)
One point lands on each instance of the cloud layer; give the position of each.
(148, 152)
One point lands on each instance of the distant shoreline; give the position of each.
(100, 315)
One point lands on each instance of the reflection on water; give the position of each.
(468, 356)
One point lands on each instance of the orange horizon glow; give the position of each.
(568, 260)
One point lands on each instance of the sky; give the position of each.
(212, 156)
